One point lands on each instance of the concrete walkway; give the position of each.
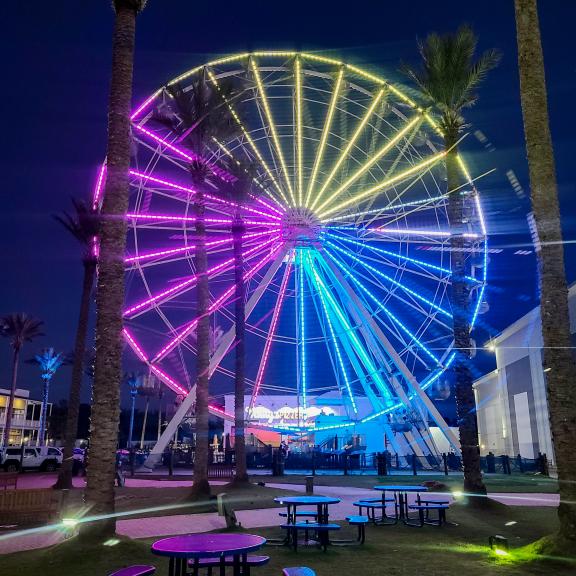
(161, 526)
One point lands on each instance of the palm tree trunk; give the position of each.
(201, 486)
(110, 287)
(10, 408)
(65, 476)
(240, 351)
(143, 433)
(557, 352)
(459, 300)
(43, 412)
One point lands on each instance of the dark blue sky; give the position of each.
(55, 76)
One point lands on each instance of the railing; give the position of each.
(20, 422)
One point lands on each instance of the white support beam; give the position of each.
(367, 319)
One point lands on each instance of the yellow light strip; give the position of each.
(430, 161)
(325, 132)
(249, 139)
(272, 127)
(386, 148)
(224, 60)
(299, 151)
(255, 180)
(348, 147)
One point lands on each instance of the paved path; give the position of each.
(194, 523)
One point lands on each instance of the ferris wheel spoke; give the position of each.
(298, 124)
(387, 254)
(272, 127)
(390, 279)
(189, 283)
(370, 325)
(344, 153)
(255, 180)
(382, 152)
(418, 170)
(218, 303)
(337, 351)
(250, 140)
(270, 336)
(325, 132)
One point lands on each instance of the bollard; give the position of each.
(414, 470)
(309, 484)
(445, 461)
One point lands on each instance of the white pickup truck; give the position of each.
(44, 458)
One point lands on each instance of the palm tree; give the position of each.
(21, 328)
(110, 285)
(238, 191)
(49, 362)
(448, 77)
(557, 351)
(199, 116)
(83, 225)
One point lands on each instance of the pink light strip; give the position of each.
(190, 157)
(417, 232)
(144, 105)
(264, 203)
(191, 191)
(271, 332)
(214, 306)
(190, 247)
(99, 186)
(167, 380)
(190, 282)
(220, 411)
(135, 347)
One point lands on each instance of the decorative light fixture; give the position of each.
(499, 545)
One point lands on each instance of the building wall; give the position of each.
(25, 416)
(511, 401)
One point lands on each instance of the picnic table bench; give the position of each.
(8, 480)
(30, 506)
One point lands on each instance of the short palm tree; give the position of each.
(448, 78)
(20, 328)
(49, 362)
(105, 413)
(557, 352)
(199, 116)
(83, 225)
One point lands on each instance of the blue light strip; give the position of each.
(388, 253)
(372, 370)
(412, 336)
(389, 279)
(336, 347)
(302, 332)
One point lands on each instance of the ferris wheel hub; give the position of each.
(300, 225)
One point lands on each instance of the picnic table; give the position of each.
(321, 524)
(180, 549)
(401, 493)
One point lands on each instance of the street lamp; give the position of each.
(133, 380)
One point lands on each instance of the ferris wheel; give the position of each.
(346, 249)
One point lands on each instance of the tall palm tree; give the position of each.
(83, 225)
(239, 192)
(110, 286)
(199, 116)
(557, 352)
(448, 77)
(21, 328)
(49, 362)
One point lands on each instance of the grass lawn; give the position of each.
(392, 550)
(494, 482)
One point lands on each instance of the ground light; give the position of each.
(499, 545)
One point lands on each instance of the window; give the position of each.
(53, 452)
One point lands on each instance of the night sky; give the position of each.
(55, 75)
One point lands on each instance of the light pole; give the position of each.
(133, 381)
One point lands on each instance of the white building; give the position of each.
(511, 400)
(25, 416)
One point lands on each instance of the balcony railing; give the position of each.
(19, 422)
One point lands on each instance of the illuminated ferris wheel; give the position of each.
(346, 250)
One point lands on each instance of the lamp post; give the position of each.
(133, 381)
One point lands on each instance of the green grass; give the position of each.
(494, 482)
(392, 550)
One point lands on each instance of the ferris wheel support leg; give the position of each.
(156, 453)
(352, 298)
